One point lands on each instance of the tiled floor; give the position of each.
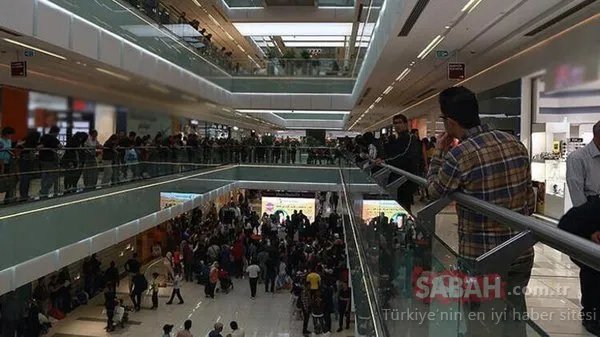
(270, 315)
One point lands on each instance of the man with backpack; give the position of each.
(139, 284)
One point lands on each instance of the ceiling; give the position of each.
(87, 79)
(302, 119)
(217, 24)
(484, 34)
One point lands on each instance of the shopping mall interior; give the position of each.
(247, 157)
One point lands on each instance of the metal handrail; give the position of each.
(583, 250)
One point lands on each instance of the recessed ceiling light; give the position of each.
(448, 27)
(197, 3)
(434, 43)
(378, 99)
(113, 74)
(470, 6)
(387, 91)
(403, 74)
(35, 48)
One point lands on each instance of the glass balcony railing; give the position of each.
(413, 280)
(38, 173)
(155, 29)
(244, 3)
(300, 68)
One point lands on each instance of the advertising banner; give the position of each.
(286, 206)
(170, 199)
(391, 209)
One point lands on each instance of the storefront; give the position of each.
(561, 121)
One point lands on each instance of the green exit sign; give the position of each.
(442, 54)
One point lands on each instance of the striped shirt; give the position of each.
(583, 173)
(490, 165)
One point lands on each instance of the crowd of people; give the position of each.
(285, 253)
(85, 163)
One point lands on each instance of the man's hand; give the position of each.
(443, 142)
(379, 161)
(596, 237)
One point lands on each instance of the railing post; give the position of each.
(499, 259)
(426, 217)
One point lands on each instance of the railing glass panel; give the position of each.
(423, 285)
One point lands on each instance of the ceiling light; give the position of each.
(372, 106)
(108, 72)
(189, 98)
(300, 28)
(35, 48)
(242, 49)
(430, 47)
(197, 3)
(378, 99)
(229, 36)
(403, 74)
(238, 114)
(321, 44)
(226, 109)
(448, 27)
(158, 88)
(214, 20)
(235, 128)
(248, 116)
(470, 6)
(387, 91)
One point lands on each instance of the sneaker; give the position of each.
(181, 302)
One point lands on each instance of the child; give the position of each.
(154, 289)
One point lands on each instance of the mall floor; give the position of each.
(270, 315)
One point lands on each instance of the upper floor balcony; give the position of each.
(161, 29)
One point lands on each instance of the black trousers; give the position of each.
(110, 314)
(590, 293)
(253, 283)
(178, 293)
(136, 298)
(306, 315)
(270, 280)
(343, 310)
(154, 299)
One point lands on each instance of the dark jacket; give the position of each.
(404, 152)
(582, 221)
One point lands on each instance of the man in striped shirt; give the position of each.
(490, 165)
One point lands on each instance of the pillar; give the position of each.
(14, 110)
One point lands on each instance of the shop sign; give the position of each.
(575, 140)
(457, 71)
(28, 53)
(18, 69)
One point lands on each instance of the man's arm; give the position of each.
(444, 174)
(576, 180)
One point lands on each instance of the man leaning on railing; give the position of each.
(493, 166)
(8, 168)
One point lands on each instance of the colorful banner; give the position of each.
(286, 206)
(170, 199)
(391, 209)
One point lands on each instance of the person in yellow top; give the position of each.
(314, 279)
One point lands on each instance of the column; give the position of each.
(14, 110)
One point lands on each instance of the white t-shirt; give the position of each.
(253, 271)
(238, 333)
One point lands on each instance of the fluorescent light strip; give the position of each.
(403, 74)
(108, 72)
(434, 43)
(387, 91)
(158, 88)
(197, 3)
(470, 6)
(35, 48)
(378, 99)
